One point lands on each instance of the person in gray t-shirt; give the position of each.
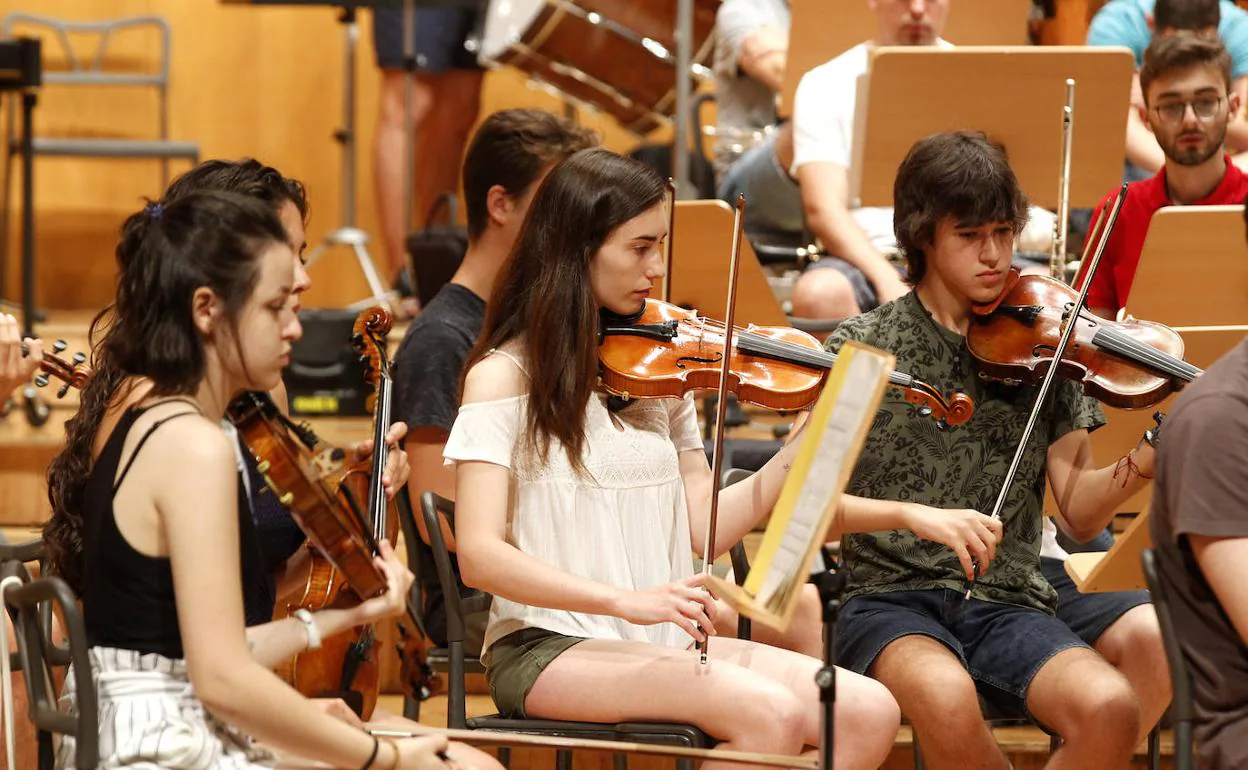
(751, 46)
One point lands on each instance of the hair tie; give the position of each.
(154, 210)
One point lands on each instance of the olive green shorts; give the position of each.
(513, 664)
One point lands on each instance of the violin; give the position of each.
(345, 514)
(666, 351)
(1126, 364)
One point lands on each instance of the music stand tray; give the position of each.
(1015, 95)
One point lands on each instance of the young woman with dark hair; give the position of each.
(580, 517)
(164, 542)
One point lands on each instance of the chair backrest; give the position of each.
(435, 508)
(93, 70)
(38, 654)
(1182, 705)
(415, 559)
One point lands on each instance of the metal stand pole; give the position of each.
(684, 94)
(35, 407)
(831, 585)
(348, 234)
(409, 132)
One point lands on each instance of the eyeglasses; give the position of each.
(1205, 108)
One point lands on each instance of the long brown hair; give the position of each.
(543, 291)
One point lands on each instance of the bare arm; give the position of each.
(490, 563)
(1087, 496)
(763, 56)
(740, 505)
(825, 202)
(430, 474)
(198, 511)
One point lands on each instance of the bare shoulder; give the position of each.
(495, 377)
(184, 438)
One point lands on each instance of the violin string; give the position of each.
(789, 351)
(1128, 346)
(1118, 342)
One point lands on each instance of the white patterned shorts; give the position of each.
(150, 719)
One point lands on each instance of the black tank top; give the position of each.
(128, 599)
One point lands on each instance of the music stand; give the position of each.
(702, 237)
(812, 41)
(1015, 95)
(805, 511)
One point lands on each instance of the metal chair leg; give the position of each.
(1154, 748)
(918, 754)
(504, 756)
(619, 761)
(563, 759)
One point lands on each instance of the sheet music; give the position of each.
(826, 476)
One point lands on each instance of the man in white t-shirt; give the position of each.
(805, 171)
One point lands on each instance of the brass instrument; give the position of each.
(1057, 259)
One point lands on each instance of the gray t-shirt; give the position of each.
(1202, 489)
(743, 103)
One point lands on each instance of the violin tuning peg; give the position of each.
(79, 358)
(59, 345)
(41, 380)
(926, 411)
(61, 391)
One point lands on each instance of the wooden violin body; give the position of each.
(343, 512)
(691, 355)
(668, 351)
(1126, 364)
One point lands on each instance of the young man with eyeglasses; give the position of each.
(1186, 82)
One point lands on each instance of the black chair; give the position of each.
(1182, 703)
(434, 507)
(30, 606)
(421, 561)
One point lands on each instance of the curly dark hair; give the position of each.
(245, 195)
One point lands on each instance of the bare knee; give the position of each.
(391, 106)
(824, 293)
(774, 721)
(1136, 632)
(1104, 709)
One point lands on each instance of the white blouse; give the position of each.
(625, 524)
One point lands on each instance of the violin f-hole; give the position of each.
(680, 362)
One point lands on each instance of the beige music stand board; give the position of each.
(822, 30)
(701, 252)
(812, 489)
(1193, 277)
(1193, 269)
(1117, 569)
(1015, 95)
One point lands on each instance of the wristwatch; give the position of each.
(309, 625)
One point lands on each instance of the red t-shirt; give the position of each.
(1112, 284)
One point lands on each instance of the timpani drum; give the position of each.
(616, 55)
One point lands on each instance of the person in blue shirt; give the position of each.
(1134, 23)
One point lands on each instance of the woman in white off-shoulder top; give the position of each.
(575, 512)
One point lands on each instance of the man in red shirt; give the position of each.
(1187, 103)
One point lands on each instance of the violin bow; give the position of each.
(671, 238)
(721, 404)
(1072, 322)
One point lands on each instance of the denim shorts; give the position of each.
(513, 664)
(441, 37)
(1002, 646)
(1088, 615)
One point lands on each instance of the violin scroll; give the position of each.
(955, 411)
(368, 337)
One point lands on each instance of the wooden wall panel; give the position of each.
(246, 81)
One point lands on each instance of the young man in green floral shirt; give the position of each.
(906, 621)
